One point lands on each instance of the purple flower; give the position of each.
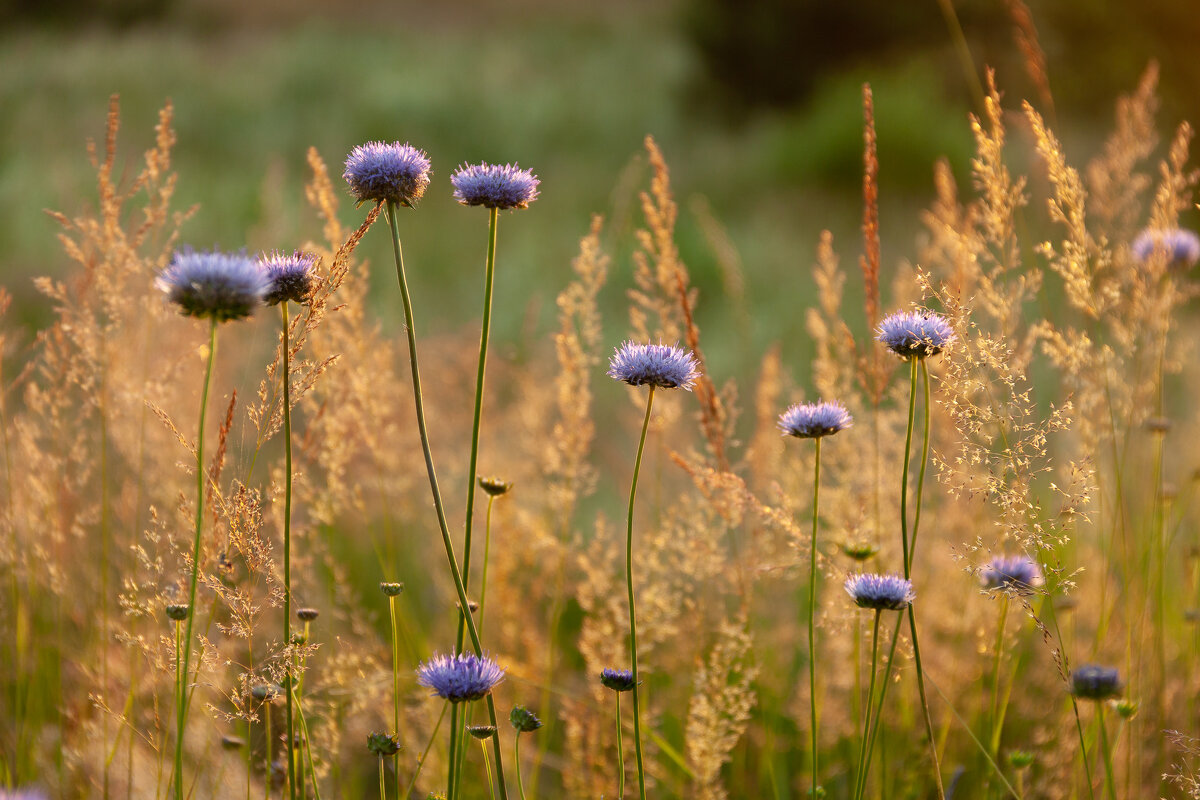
(1181, 247)
(814, 420)
(1093, 682)
(619, 680)
(654, 364)
(880, 591)
(1019, 574)
(23, 794)
(494, 186)
(292, 277)
(380, 171)
(213, 285)
(460, 677)
(909, 334)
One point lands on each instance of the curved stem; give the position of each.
(637, 708)
(181, 722)
(874, 726)
(428, 746)
(439, 506)
(912, 413)
(912, 542)
(997, 720)
(812, 614)
(287, 544)
(1107, 753)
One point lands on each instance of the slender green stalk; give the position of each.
(1109, 782)
(912, 544)
(181, 720)
(395, 683)
(1087, 768)
(487, 766)
(452, 772)
(637, 708)
(312, 769)
(425, 753)
(381, 782)
(419, 401)
(997, 720)
(266, 709)
(620, 753)
(812, 613)
(861, 778)
(517, 759)
(287, 543)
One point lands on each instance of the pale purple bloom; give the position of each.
(1180, 246)
(214, 285)
(658, 365)
(813, 420)
(880, 592)
(919, 334)
(380, 171)
(292, 276)
(460, 677)
(1019, 574)
(501, 186)
(1093, 682)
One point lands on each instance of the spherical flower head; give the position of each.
(482, 732)
(213, 285)
(911, 334)
(292, 276)
(1180, 247)
(307, 614)
(493, 486)
(380, 171)
(619, 680)
(494, 186)
(881, 592)
(460, 677)
(391, 589)
(814, 420)
(1017, 574)
(1093, 682)
(524, 720)
(178, 611)
(658, 365)
(383, 744)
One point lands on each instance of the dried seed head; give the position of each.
(383, 744)
(391, 589)
(494, 486)
(307, 614)
(178, 611)
(482, 732)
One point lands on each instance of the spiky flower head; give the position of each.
(391, 589)
(814, 420)
(383, 744)
(307, 614)
(619, 680)
(178, 611)
(292, 276)
(1179, 246)
(482, 732)
(380, 171)
(213, 285)
(660, 365)
(504, 186)
(859, 551)
(1018, 574)
(524, 720)
(493, 486)
(460, 677)
(911, 334)
(881, 592)
(1094, 682)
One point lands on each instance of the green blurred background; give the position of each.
(755, 103)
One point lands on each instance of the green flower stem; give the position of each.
(381, 782)
(425, 753)
(266, 709)
(487, 766)
(395, 683)
(887, 673)
(517, 758)
(861, 779)
(287, 544)
(1109, 783)
(452, 771)
(620, 753)
(181, 709)
(997, 719)
(312, 768)
(433, 483)
(812, 613)
(637, 708)
(912, 544)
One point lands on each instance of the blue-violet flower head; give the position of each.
(1018, 574)
(1093, 682)
(1180, 246)
(460, 677)
(494, 185)
(911, 334)
(658, 365)
(292, 276)
(619, 680)
(870, 590)
(213, 285)
(380, 171)
(814, 420)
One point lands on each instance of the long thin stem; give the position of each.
(433, 483)
(381, 781)
(912, 542)
(997, 719)
(637, 707)
(287, 543)
(861, 778)
(395, 683)
(874, 726)
(620, 753)
(452, 771)
(812, 613)
(181, 721)
(1107, 753)
(517, 758)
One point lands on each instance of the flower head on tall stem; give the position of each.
(911, 334)
(292, 276)
(1018, 574)
(619, 680)
(502, 186)
(880, 592)
(814, 420)
(1094, 682)
(381, 172)
(213, 285)
(1179, 246)
(461, 677)
(658, 365)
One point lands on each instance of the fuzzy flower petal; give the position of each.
(1018, 574)
(494, 185)
(213, 285)
(460, 677)
(380, 171)
(292, 276)
(881, 592)
(1093, 682)
(1180, 246)
(909, 334)
(658, 365)
(814, 420)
